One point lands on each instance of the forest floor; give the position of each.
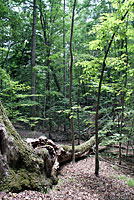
(78, 182)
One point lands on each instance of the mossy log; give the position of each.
(33, 163)
(80, 150)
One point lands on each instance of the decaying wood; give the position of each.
(63, 153)
(33, 163)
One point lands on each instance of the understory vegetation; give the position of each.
(67, 71)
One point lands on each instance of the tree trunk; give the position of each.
(64, 53)
(64, 62)
(123, 104)
(33, 57)
(70, 88)
(20, 167)
(98, 96)
(48, 42)
(31, 164)
(97, 107)
(78, 103)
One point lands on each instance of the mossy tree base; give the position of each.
(22, 179)
(20, 166)
(31, 164)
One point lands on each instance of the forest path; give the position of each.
(78, 182)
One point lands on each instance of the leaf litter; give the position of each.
(78, 182)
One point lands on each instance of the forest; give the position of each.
(67, 99)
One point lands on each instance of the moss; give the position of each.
(22, 179)
(81, 148)
(67, 147)
(27, 156)
(26, 168)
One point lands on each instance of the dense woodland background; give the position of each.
(35, 66)
(67, 72)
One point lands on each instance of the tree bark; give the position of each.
(70, 88)
(31, 164)
(64, 54)
(64, 61)
(20, 166)
(48, 43)
(33, 57)
(123, 104)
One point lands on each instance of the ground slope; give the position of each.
(78, 182)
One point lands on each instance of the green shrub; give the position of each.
(130, 182)
(122, 177)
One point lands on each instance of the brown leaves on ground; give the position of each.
(78, 182)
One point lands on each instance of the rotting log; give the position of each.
(31, 164)
(80, 150)
(63, 153)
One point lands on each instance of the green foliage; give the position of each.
(14, 96)
(95, 23)
(122, 177)
(130, 182)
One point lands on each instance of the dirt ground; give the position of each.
(78, 182)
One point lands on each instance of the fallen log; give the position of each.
(63, 153)
(31, 164)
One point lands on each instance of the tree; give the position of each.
(99, 92)
(19, 163)
(64, 57)
(123, 101)
(70, 88)
(33, 57)
(52, 103)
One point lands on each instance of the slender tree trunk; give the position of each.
(78, 121)
(43, 21)
(48, 98)
(78, 116)
(64, 61)
(55, 78)
(97, 107)
(2, 46)
(98, 97)
(127, 148)
(47, 40)
(122, 112)
(64, 53)
(70, 88)
(33, 57)
(123, 103)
